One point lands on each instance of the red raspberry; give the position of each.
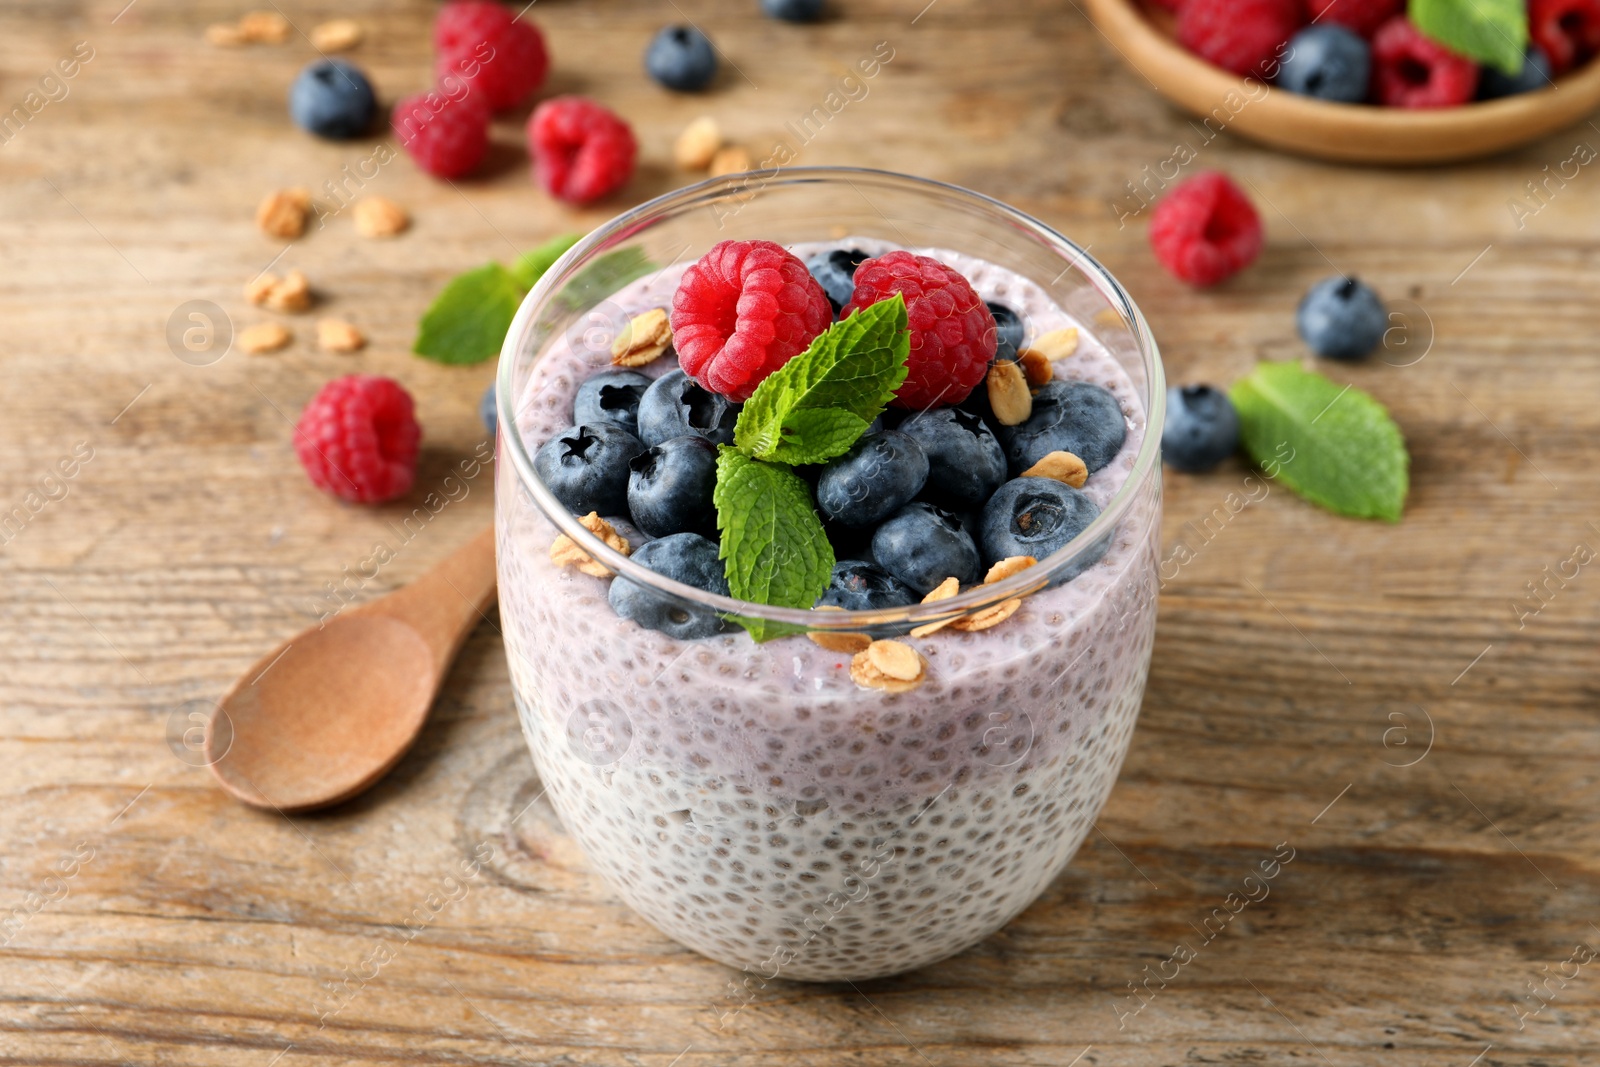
(1362, 16)
(1567, 31)
(953, 333)
(1410, 70)
(1205, 230)
(581, 151)
(447, 136)
(741, 311)
(496, 53)
(357, 439)
(1244, 36)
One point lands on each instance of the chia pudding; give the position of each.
(757, 805)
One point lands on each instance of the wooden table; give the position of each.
(1368, 695)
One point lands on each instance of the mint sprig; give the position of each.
(816, 405)
(1334, 445)
(468, 320)
(773, 544)
(1490, 31)
(810, 410)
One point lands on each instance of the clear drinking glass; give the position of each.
(749, 799)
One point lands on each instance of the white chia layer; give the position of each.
(755, 804)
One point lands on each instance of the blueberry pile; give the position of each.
(920, 497)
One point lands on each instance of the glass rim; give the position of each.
(1023, 583)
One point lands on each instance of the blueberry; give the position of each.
(1011, 330)
(835, 271)
(881, 472)
(1035, 517)
(681, 58)
(965, 462)
(586, 467)
(676, 405)
(332, 98)
(857, 585)
(669, 487)
(923, 545)
(1202, 428)
(793, 10)
(1328, 62)
(1342, 318)
(487, 411)
(1535, 74)
(684, 557)
(611, 396)
(1068, 416)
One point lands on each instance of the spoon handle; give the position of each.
(448, 601)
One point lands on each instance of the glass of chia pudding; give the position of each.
(954, 593)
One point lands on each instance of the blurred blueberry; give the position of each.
(332, 98)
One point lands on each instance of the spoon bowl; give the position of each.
(329, 712)
(324, 716)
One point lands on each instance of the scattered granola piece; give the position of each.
(566, 553)
(334, 335)
(378, 216)
(1006, 568)
(1035, 367)
(697, 145)
(224, 35)
(988, 617)
(256, 291)
(264, 337)
(336, 35)
(1009, 397)
(835, 641)
(1063, 467)
(643, 340)
(292, 294)
(283, 213)
(1057, 344)
(729, 160)
(943, 591)
(888, 665)
(264, 27)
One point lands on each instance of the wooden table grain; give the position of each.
(1407, 713)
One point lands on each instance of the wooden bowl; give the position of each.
(1349, 133)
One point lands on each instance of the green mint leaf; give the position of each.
(530, 266)
(1489, 31)
(773, 544)
(467, 322)
(1332, 444)
(851, 369)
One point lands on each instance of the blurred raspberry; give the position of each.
(1205, 230)
(447, 137)
(741, 311)
(1362, 16)
(1410, 70)
(953, 333)
(491, 49)
(358, 438)
(581, 150)
(1568, 31)
(1243, 36)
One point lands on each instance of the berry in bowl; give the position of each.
(828, 523)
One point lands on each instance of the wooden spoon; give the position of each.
(330, 711)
